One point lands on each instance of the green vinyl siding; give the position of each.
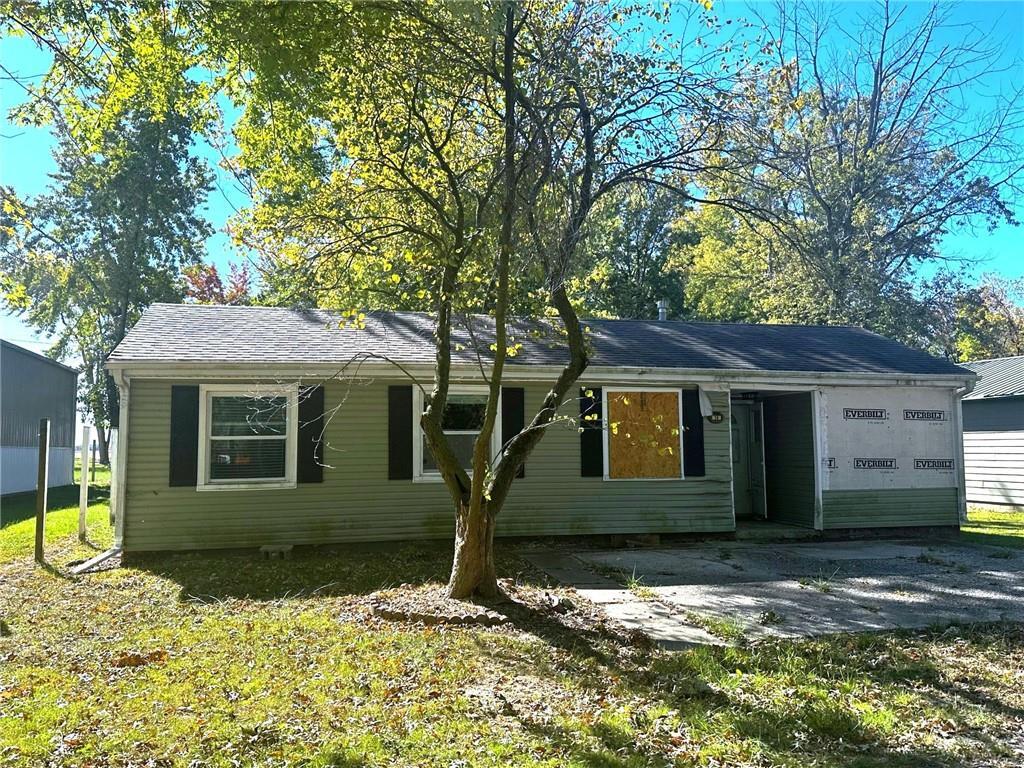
(789, 459)
(894, 507)
(357, 502)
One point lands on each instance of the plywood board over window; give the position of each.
(644, 435)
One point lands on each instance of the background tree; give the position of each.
(108, 239)
(204, 285)
(852, 159)
(989, 319)
(121, 216)
(625, 266)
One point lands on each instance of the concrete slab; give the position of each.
(796, 589)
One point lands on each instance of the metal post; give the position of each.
(83, 488)
(42, 481)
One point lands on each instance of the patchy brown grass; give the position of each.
(225, 659)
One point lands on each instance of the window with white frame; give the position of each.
(462, 421)
(248, 437)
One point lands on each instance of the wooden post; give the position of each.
(42, 481)
(83, 488)
(93, 478)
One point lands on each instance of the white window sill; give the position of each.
(251, 486)
(430, 478)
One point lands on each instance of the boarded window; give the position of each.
(643, 435)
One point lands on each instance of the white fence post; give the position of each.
(83, 487)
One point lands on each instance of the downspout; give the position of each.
(958, 437)
(120, 478)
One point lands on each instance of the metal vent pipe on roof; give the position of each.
(662, 309)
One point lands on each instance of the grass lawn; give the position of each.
(1002, 526)
(229, 660)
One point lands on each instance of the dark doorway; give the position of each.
(789, 458)
(774, 457)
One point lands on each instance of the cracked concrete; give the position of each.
(793, 589)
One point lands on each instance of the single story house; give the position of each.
(994, 432)
(34, 387)
(247, 426)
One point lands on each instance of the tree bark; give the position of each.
(473, 568)
(104, 443)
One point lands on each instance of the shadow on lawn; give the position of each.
(22, 506)
(812, 720)
(808, 721)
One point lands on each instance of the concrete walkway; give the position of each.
(793, 589)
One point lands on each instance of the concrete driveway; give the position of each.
(791, 589)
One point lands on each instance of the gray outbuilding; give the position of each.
(34, 387)
(994, 432)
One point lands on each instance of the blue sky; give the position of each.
(25, 160)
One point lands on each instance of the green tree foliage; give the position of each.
(625, 266)
(844, 170)
(989, 319)
(121, 216)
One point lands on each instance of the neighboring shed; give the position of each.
(33, 387)
(994, 432)
(223, 410)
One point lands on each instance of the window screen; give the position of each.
(643, 435)
(248, 438)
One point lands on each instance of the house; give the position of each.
(33, 387)
(821, 427)
(994, 432)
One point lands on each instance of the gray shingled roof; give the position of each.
(999, 377)
(212, 334)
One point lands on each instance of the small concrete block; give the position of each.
(281, 551)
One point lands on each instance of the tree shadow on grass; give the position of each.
(578, 650)
(813, 721)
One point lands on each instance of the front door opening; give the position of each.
(773, 457)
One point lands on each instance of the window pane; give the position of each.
(248, 416)
(462, 445)
(464, 412)
(247, 459)
(643, 435)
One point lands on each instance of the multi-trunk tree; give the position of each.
(451, 157)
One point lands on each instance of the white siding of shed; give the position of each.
(994, 467)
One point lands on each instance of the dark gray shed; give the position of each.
(33, 387)
(994, 432)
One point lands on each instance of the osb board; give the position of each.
(643, 435)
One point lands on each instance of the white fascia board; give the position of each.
(467, 372)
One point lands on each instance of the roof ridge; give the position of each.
(418, 312)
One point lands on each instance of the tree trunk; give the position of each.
(473, 569)
(103, 440)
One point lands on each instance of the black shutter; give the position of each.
(400, 432)
(513, 417)
(693, 435)
(184, 456)
(591, 438)
(310, 466)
